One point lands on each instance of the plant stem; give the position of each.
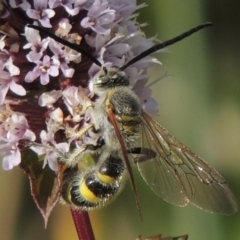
(83, 225)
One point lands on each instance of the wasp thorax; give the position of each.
(110, 77)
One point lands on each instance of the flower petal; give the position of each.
(17, 88)
(11, 160)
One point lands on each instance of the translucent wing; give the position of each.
(179, 176)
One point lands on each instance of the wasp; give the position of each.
(172, 170)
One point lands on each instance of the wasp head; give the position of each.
(110, 77)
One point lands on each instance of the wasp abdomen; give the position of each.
(113, 167)
(91, 189)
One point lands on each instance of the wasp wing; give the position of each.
(114, 122)
(179, 176)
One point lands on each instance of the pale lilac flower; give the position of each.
(80, 2)
(50, 149)
(148, 103)
(35, 43)
(55, 112)
(124, 8)
(43, 70)
(8, 81)
(13, 129)
(49, 98)
(64, 57)
(67, 4)
(12, 155)
(13, 70)
(41, 13)
(57, 116)
(18, 129)
(99, 17)
(75, 98)
(64, 27)
(24, 4)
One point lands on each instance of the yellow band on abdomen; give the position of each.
(87, 193)
(105, 178)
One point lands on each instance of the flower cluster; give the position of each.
(44, 85)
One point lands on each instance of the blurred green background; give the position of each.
(199, 104)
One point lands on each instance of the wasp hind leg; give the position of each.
(142, 154)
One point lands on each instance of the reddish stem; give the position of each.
(83, 225)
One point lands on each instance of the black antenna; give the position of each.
(66, 43)
(133, 60)
(165, 44)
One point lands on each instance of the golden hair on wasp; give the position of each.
(173, 171)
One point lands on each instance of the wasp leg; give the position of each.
(86, 106)
(83, 131)
(142, 154)
(73, 158)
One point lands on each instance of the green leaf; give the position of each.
(45, 184)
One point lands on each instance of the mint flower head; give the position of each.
(46, 88)
(45, 85)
